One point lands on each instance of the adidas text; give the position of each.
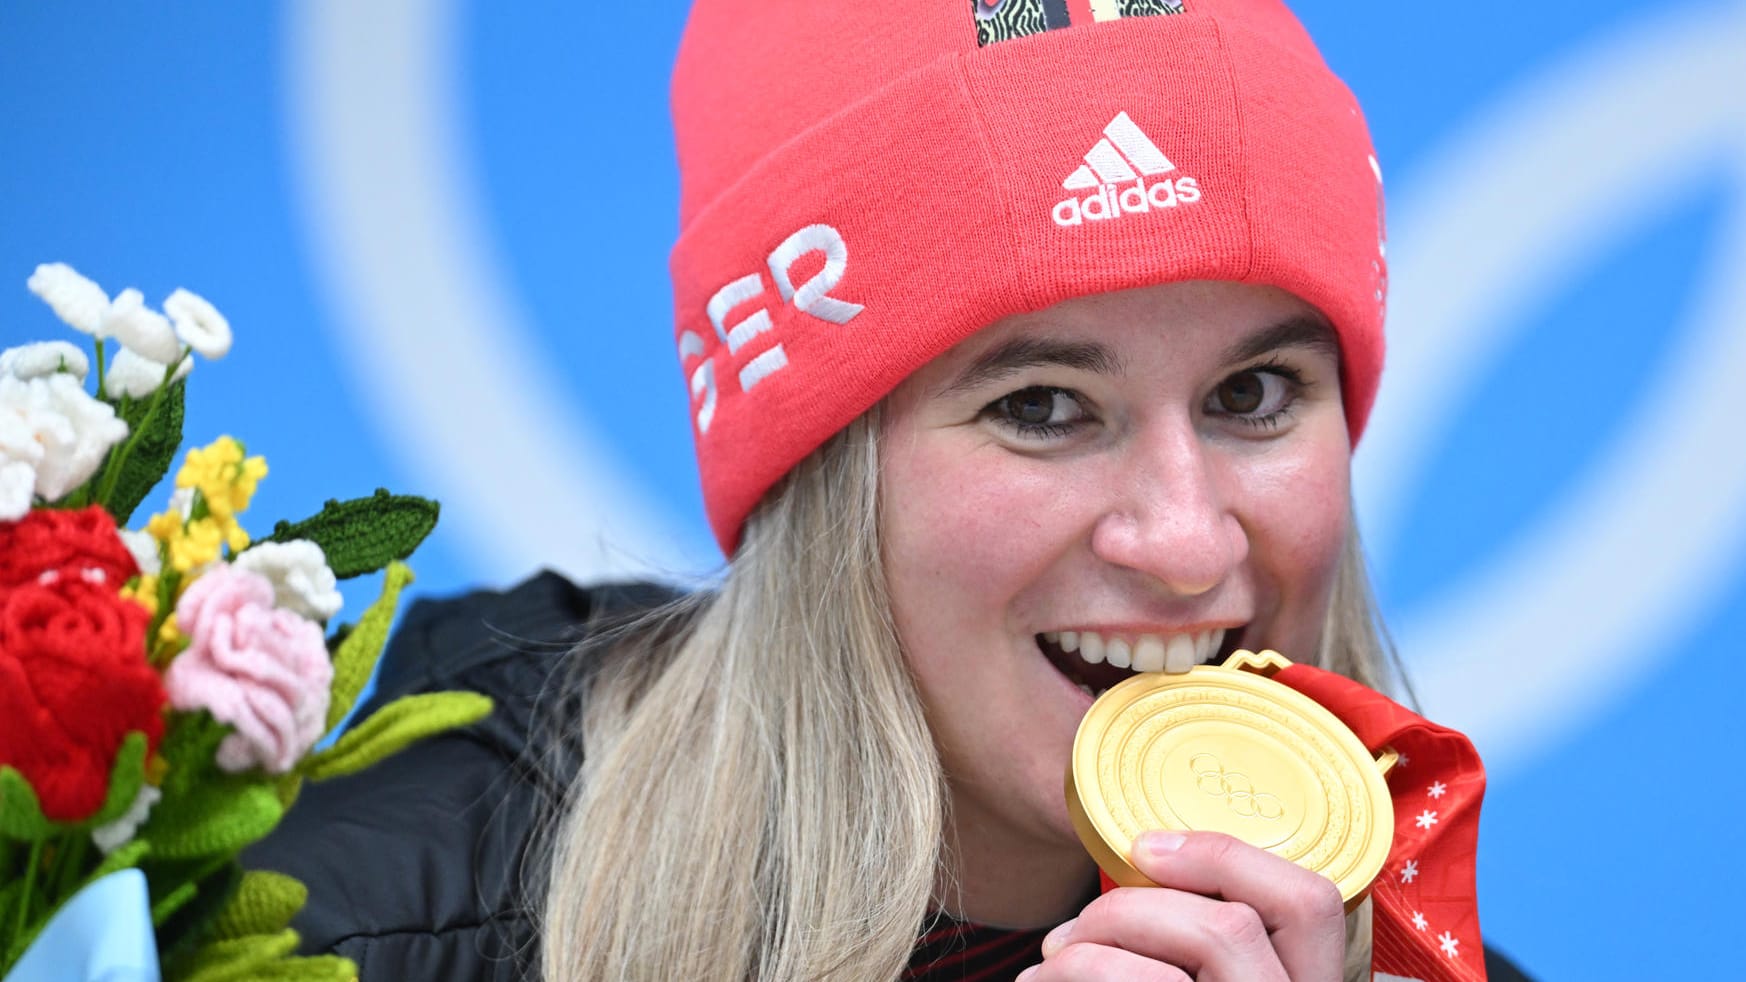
(1137, 198)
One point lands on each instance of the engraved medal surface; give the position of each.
(1225, 748)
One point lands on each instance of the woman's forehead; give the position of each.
(1219, 322)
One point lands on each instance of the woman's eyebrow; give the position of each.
(1018, 354)
(1301, 331)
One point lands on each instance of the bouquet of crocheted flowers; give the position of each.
(164, 686)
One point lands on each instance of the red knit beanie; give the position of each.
(866, 184)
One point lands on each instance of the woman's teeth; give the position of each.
(1175, 653)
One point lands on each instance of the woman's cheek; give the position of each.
(1298, 514)
(975, 505)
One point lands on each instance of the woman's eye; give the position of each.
(1254, 396)
(1038, 411)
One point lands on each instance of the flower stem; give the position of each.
(112, 473)
(22, 920)
(99, 346)
(70, 866)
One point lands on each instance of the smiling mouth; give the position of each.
(1095, 661)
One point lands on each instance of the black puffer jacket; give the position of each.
(415, 867)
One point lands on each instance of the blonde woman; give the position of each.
(1027, 344)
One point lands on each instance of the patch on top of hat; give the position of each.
(1002, 20)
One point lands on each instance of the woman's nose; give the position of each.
(1171, 518)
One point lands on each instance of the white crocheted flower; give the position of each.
(137, 376)
(29, 361)
(144, 549)
(140, 329)
(298, 570)
(55, 429)
(198, 323)
(115, 835)
(182, 502)
(17, 480)
(74, 299)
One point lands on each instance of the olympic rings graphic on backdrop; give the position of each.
(403, 241)
(1545, 162)
(1235, 787)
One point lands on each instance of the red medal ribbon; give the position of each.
(1426, 909)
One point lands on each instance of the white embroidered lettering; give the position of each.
(702, 380)
(1124, 154)
(762, 367)
(813, 296)
(725, 300)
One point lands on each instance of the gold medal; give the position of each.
(1225, 748)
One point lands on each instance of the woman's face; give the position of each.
(1135, 472)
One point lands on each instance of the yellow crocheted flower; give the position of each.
(223, 482)
(165, 525)
(168, 633)
(169, 642)
(195, 543)
(224, 478)
(144, 591)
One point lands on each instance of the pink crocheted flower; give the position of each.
(263, 670)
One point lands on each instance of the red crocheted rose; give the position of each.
(47, 539)
(73, 682)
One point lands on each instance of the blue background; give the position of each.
(205, 146)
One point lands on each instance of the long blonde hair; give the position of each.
(761, 797)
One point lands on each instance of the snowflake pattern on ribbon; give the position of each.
(1426, 916)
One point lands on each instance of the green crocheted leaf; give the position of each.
(264, 903)
(314, 968)
(216, 818)
(205, 811)
(355, 659)
(125, 779)
(364, 534)
(393, 727)
(237, 958)
(159, 434)
(21, 814)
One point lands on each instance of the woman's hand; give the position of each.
(1223, 910)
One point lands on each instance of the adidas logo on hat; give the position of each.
(1125, 153)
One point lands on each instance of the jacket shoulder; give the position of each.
(417, 867)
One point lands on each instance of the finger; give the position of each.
(1302, 910)
(1205, 938)
(1088, 962)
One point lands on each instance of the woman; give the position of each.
(1027, 346)
(870, 721)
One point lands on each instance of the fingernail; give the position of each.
(1027, 973)
(1057, 939)
(1162, 843)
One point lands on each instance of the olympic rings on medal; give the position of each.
(1211, 778)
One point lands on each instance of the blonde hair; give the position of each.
(761, 797)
